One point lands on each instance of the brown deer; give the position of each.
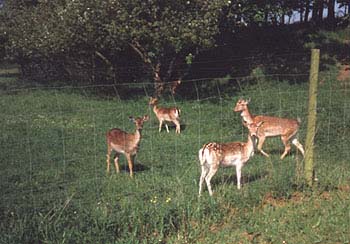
(213, 155)
(124, 143)
(166, 114)
(174, 85)
(273, 126)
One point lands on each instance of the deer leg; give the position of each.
(160, 125)
(109, 150)
(260, 144)
(166, 126)
(287, 146)
(239, 174)
(210, 175)
(177, 123)
(129, 158)
(204, 173)
(298, 145)
(116, 164)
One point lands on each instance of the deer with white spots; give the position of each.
(124, 143)
(166, 114)
(213, 155)
(287, 129)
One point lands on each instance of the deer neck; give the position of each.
(133, 143)
(155, 108)
(137, 135)
(247, 116)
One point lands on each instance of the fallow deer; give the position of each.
(124, 143)
(166, 114)
(213, 155)
(174, 85)
(273, 126)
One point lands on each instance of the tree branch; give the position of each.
(109, 64)
(158, 82)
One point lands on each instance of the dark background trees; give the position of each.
(131, 41)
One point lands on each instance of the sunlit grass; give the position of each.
(55, 188)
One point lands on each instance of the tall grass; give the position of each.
(54, 185)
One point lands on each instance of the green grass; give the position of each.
(55, 189)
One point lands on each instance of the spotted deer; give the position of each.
(166, 114)
(124, 143)
(213, 155)
(287, 129)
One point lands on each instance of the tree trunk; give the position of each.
(111, 71)
(320, 11)
(158, 82)
(301, 13)
(314, 16)
(307, 10)
(317, 11)
(266, 17)
(331, 14)
(282, 19)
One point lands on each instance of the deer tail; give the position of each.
(299, 120)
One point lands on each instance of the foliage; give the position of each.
(159, 32)
(129, 41)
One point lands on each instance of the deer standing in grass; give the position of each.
(166, 114)
(124, 143)
(273, 126)
(213, 155)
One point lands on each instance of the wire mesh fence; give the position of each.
(53, 138)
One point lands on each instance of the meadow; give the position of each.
(54, 186)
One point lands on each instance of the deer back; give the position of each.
(167, 113)
(225, 154)
(273, 126)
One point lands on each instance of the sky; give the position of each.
(339, 12)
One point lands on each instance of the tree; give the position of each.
(317, 10)
(346, 4)
(315, 7)
(161, 32)
(34, 31)
(307, 10)
(331, 13)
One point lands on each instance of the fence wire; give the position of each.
(45, 118)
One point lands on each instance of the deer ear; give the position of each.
(248, 101)
(153, 99)
(145, 117)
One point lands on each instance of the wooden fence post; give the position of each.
(311, 119)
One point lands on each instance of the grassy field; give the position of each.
(55, 189)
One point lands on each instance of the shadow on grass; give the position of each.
(171, 126)
(246, 179)
(138, 167)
